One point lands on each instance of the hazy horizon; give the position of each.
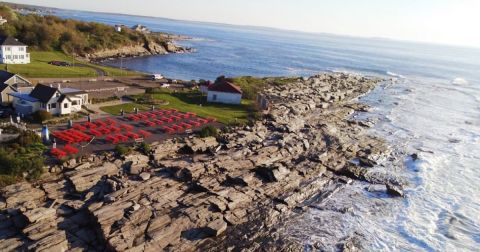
(439, 22)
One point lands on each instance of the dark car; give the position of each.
(59, 63)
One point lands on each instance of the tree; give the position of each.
(41, 115)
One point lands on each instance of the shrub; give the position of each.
(41, 116)
(122, 150)
(209, 131)
(145, 148)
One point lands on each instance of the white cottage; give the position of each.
(13, 52)
(224, 92)
(57, 101)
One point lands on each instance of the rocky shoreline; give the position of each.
(162, 45)
(229, 193)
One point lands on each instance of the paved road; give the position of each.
(100, 72)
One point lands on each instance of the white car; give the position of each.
(156, 77)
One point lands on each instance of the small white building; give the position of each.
(2, 20)
(13, 51)
(118, 28)
(224, 92)
(57, 101)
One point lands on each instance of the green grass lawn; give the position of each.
(194, 102)
(127, 107)
(39, 67)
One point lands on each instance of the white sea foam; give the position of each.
(459, 81)
(395, 75)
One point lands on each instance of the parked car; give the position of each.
(59, 63)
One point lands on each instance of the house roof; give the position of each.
(10, 41)
(23, 96)
(3, 86)
(43, 93)
(62, 98)
(5, 76)
(225, 87)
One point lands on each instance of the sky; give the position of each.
(454, 22)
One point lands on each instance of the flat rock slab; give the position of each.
(84, 179)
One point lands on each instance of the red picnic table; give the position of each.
(185, 125)
(166, 119)
(79, 127)
(96, 133)
(157, 121)
(144, 133)
(121, 137)
(112, 139)
(126, 127)
(70, 149)
(168, 130)
(132, 135)
(194, 123)
(58, 153)
(149, 123)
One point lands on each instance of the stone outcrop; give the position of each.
(189, 194)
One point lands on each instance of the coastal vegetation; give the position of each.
(21, 158)
(51, 33)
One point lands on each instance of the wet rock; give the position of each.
(395, 189)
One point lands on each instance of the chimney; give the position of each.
(59, 87)
(51, 85)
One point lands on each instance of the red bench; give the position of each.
(101, 124)
(110, 121)
(133, 118)
(115, 129)
(166, 119)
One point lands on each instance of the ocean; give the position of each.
(430, 106)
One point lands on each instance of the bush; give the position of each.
(122, 150)
(145, 148)
(41, 116)
(209, 131)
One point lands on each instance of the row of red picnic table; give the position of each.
(66, 150)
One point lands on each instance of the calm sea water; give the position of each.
(431, 108)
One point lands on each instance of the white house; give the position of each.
(13, 52)
(224, 92)
(118, 28)
(57, 101)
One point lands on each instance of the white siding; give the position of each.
(221, 97)
(14, 55)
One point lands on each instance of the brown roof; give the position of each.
(225, 87)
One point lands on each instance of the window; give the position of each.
(22, 57)
(8, 48)
(54, 105)
(49, 106)
(214, 97)
(9, 56)
(21, 49)
(65, 105)
(15, 56)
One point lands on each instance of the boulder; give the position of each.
(83, 179)
(217, 227)
(22, 194)
(145, 176)
(39, 214)
(197, 145)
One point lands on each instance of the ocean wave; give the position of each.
(395, 75)
(459, 81)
